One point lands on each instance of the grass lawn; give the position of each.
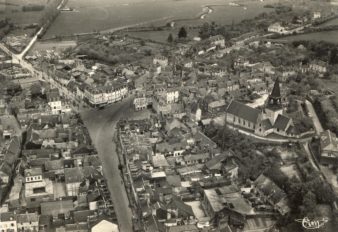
(52, 45)
(14, 12)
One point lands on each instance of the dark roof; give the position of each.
(276, 90)
(216, 162)
(82, 216)
(266, 124)
(183, 209)
(54, 208)
(243, 111)
(73, 175)
(281, 122)
(9, 216)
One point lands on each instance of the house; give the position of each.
(105, 226)
(183, 228)
(328, 148)
(227, 203)
(192, 159)
(8, 222)
(217, 40)
(56, 208)
(161, 60)
(33, 175)
(38, 192)
(272, 193)
(54, 101)
(27, 222)
(216, 107)
(318, 66)
(316, 15)
(73, 179)
(277, 28)
(142, 102)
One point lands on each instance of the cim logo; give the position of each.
(312, 224)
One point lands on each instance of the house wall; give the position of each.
(56, 106)
(33, 178)
(28, 226)
(73, 188)
(9, 226)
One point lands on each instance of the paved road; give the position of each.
(318, 126)
(100, 124)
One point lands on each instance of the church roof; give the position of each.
(281, 122)
(276, 90)
(243, 111)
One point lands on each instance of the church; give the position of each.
(269, 120)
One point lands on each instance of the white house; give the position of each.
(33, 175)
(8, 222)
(105, 226)
(161, 60)
(277, 28)
(54, 101)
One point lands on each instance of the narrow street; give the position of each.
(100, 124)
(318, 126)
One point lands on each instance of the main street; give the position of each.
(101, 128)
(101, 125)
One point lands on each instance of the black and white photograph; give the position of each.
(168, 115)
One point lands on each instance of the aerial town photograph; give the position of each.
(168, 115)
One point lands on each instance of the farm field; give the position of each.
(107, 14)
(52, 45)
(327, 36)
(13, 11)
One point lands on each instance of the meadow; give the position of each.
(13, 11)
(89, 16)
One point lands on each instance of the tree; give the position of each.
(170, 38)
(204, 33)
(309, 204)
(182, 33)
(36, 90)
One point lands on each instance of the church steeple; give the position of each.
(275, 98)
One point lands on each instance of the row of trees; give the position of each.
(328, 112)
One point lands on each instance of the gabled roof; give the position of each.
(73, 175)
(281, 122)
(216, 162)
(55, 208)
(266, 124)
(329, 141)
(243, 111)
(183, 209)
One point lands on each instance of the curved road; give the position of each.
(101, 125)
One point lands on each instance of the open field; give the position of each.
(331, 85)
(13, 11)
(107, 14)
(327, 36)
(52, 45)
